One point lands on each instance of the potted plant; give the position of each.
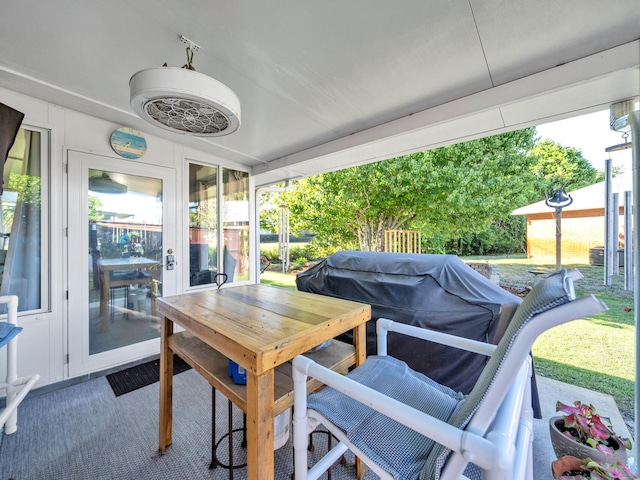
(572, 468)
(582, 433)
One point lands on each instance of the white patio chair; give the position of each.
(405, 426)
(16, 388)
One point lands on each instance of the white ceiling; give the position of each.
(328, 84)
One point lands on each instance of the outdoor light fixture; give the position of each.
(619, 122)
(559, 199)
(184, 101)
(619, 114)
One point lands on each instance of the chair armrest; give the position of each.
(385, 325)
(427, 425)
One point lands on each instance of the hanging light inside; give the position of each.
(103, 184)
(184, 101)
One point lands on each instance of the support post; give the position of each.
(283, 237)
(628, 241)
(559, 199)
(615, 227)
(634, 122)
(558, 238)
(608, 223)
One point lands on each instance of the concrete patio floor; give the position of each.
(550, 391)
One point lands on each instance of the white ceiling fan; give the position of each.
(184, 101)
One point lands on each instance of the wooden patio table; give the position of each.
(260, 327)
(108, 265)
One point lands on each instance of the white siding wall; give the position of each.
(43, 342)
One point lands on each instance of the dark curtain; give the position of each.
(10, 121)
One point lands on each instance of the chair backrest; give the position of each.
(478, 410)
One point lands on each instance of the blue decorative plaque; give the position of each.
(128, 143)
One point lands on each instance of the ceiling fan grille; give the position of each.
(187, 116)
(184, 101)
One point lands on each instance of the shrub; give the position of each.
(297, 252)
(319, 249)
(299, 264)
(271, 253)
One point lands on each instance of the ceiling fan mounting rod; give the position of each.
(192, 45)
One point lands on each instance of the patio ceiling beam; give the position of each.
(499, 107)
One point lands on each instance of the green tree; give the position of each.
(450, 191)
(27, 186)
(94, 213)
(555, 167)
(269, 211)
(552, 166)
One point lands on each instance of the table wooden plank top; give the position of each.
(125, 263)
(260, 326)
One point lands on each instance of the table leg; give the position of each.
(104, 302)
(360, 342)
(166, 385)
(260, 432)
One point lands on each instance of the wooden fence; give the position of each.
(402, 241)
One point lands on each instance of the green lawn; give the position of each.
(597, 353)
(285, 280)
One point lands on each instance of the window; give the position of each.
(24, 257)
(235, 224)
(207, 191)
(203, 224)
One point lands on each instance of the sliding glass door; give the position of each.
(218, 200)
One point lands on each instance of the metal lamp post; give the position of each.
(558, 200)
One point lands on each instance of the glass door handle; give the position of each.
(171, 262)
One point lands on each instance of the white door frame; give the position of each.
(79, 163)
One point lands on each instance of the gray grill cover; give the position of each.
(440, 292)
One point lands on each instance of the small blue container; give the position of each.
(238, 373)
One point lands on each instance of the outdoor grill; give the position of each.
(440, 292)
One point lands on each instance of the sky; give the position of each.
(590, 134)
(144, 208)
